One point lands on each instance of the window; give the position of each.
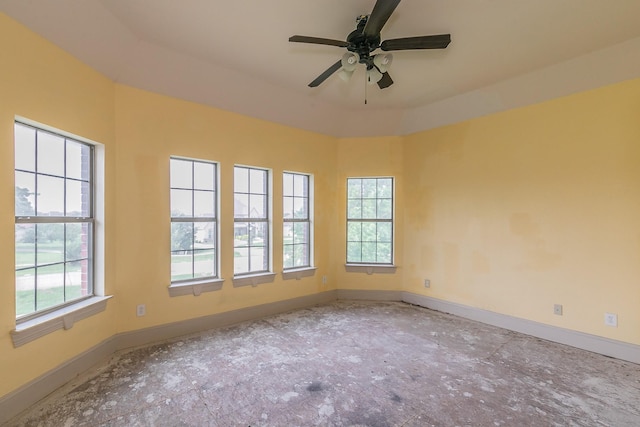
(194, 223)
(54, 220)
(251, 220)
(370, 221)
(296, 231)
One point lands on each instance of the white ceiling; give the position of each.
(235, 55)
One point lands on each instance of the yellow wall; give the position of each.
(41, 82)
(362, 157)
(533, 207)
(511, 213)
(151, 128)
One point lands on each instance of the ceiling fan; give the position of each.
(365, 39)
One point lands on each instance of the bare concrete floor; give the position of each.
(350, 364)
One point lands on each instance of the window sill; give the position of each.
(195, 288)
(370, 268)
(64, 318)
(298, 273)
(253, 279)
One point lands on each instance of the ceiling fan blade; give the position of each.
(439, 41)
(318, 40)
(385, 81)
(379, 16)
(324, 76)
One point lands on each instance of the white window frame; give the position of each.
(35, 325)
(308, 220)
(369, 266)
(255, 277)
(197, 284)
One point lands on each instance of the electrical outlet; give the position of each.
(324, 280)
(611, 319)
(427, 283)
(557, 309)
(141, 310)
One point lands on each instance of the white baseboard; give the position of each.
(25, 396)
(608, 347)
(368, 295)
(33, 391)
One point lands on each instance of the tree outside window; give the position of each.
(370, 220)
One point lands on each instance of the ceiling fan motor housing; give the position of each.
(360, 43)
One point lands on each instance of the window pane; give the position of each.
(241, 234)
(181, 265)
(369, 252)
(384, 232)
(182, 234)
(86, 286)
(25, 146)
(287, 184)
(301, 255)
(181, 173)
(354, 252)
(258, 206)
(301, 232)
(287, 207)
(241, 260)
(25, 291)
(384, 253)
(369, 188)
(258, 261)
(354, 208)
(78, 160)
(204, 204)
(287, 232)
(369, 208)
(300, 208)
(78, 242)
(258, 234)
(288, 256)
(78, 194)
(50, 154)
(50, 282)
(258, 181)
(25, 194)
(384, 209)
(25, 245)
(385, 188)
(354, 188)
(369, 232)
(241, 180)
(181, 203)
(204, 263)
(50, 246)
(205, 235)
(73, 284)
(300, 185)
(50, 196)
(241, 205)
(354, 231)
(203, 174)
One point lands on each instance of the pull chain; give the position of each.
(366, 83)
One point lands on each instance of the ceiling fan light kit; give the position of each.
(373, 75)
(364, 40)
(349, 61)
